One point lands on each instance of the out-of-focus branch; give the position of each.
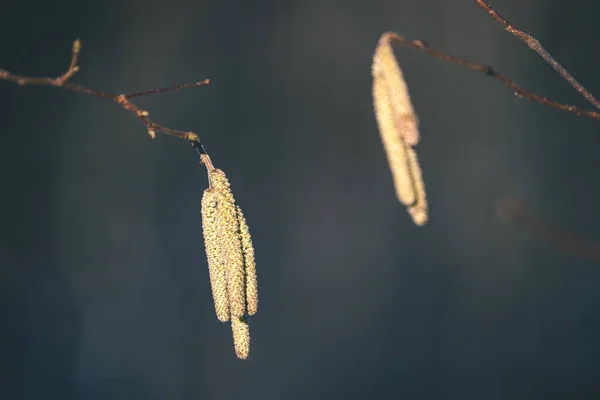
(123, 99)
(511, 209)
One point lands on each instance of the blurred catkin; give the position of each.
(419, 209)
(398, 128)
(403, 115)
(230, 256)
(215, 255)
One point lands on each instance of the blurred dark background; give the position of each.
(104, 290)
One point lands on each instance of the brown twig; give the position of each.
(535, 45)
(169, 89)
(489, 71)
(120, 98)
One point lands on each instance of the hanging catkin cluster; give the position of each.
(230, 256)
(399, 129)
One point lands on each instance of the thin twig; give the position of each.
(489, 71)
(169, 89)
(535, 45)
(120, 98)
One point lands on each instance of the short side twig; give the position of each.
(123, 99)
(535, 45)
(489, 71)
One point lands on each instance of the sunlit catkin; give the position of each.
(398, 128)
(231, 242)
(230, 255)
(249, 265)
(215, 255)
(241, 336)
(395, 148)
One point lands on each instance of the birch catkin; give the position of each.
(241, 336)
(230, 255)
(232, 248)
(215, 255)
(398, 128)
(249, 265)
(404, 117)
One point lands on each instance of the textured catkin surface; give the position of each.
(241, 336)
(231, 243)
(249, 265)
(215, 254)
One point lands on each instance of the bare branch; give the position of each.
(489, 71)
(535, 45)
(120, 98)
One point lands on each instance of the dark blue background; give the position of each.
(103, 282)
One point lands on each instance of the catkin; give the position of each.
(230, 255)
(395, 148)
(398, 128)
(215, 255)
(404, 118)
(231, 243)
(241, 336)
(249, 265)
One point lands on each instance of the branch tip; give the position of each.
(121, 99)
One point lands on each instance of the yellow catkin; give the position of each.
(241, 336)
(215, 255)
(231, 242)
(398, 128)
(230, 251)
(404, 117)
(249, 264)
